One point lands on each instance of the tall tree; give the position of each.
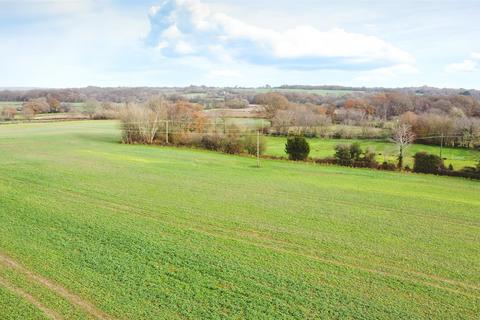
(403, 137)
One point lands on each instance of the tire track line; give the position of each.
(52, 314)
(416, 276)
(61, 291)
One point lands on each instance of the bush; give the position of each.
(250, 144)
(388, 166)
(343, 155)
(355, 151)
(369, 158)
(427, 163)
(464, 174)
(353, 155)
(297, 148)
(232, 145)
(211, 142)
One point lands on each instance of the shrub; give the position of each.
(450, 167)
(427, 163)
(232, 145)
(355, 151)
(211, 142)
(343, 155)
(297, 148)
(250, 144)
(369, 157)
(388, 166)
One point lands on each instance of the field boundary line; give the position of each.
(61, 291)
(52, 314)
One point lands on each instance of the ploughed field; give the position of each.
(91, 228)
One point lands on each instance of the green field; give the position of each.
(93, 228)
(306, 91)
(322, 148)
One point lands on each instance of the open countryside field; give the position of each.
(91, 228)
(322, 148)
(320, 92)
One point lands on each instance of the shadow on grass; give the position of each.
(99, 137)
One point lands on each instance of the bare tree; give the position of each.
(90, 107)
(403, 137)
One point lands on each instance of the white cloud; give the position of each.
(465, 66)
(379, 75)
(300, 47)
(475, 55)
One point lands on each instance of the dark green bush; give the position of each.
(232, 145)
(388, 166)
(427, 163)
(343, 155)
(297, 148)
(211, 142)
(355, 151)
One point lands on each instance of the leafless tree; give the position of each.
(403, 137)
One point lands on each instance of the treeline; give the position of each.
(181, 123)
(449, 120)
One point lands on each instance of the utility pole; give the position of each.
(166, 131)
(441, 146)
(258, 149)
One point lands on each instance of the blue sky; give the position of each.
(75, 43)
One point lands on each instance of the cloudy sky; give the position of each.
(74, 43)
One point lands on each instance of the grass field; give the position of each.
(307, 91)
(321, 148)
(91, 228)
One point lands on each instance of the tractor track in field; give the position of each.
(408, 275)
(83, 304)
(420, 277)
(52, 314)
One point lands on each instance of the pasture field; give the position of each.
(14, 104)
(91, 228)
(322, 148)
(307, 91)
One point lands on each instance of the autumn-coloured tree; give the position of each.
(8, 113)
(272, 102)
(54, 104)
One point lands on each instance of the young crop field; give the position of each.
(91, 228)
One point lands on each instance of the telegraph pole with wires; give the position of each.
(441, 146)
(258, 148)
(166, 131)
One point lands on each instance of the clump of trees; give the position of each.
(159, 121)
(297, 148)
(353, 155)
